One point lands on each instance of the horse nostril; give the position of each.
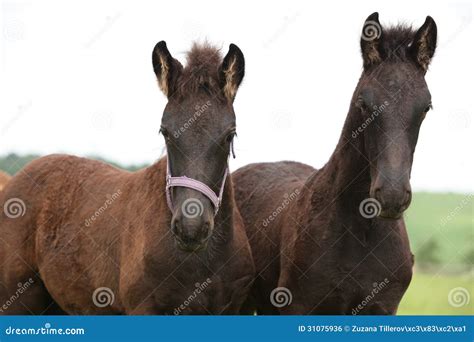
(191, 229)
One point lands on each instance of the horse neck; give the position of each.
(347, 173)
(226, 210)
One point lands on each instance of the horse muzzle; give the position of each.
(192, 233)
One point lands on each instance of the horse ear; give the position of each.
(424, 43)
(232, 71)
(167, 69)
(371, 40)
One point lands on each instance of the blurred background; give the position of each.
(76, 78)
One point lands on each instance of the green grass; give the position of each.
(428, 295)
(448, 219)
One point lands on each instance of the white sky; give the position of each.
(76, 77)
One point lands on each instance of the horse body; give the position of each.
(128, 247)
(331, 254)
(259, 190)
(93, 239)
(319, 247)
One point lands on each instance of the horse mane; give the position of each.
(201, 72)
(396, 42)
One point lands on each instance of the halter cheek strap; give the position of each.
(191, 183)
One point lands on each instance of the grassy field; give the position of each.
(428, 295)
(446, 219)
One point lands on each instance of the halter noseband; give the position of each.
(194, 184)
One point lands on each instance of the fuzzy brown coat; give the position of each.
(87, 225)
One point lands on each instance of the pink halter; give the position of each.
(191, 183)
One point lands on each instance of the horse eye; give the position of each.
(427, 109)
(164, 132)
(230, 137)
